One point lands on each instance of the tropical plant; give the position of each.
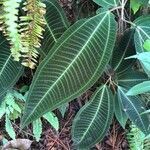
(73, 58)
(12, 108)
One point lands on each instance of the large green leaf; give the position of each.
(10, 70)
(133, 107)
(140, 88)
(73, 65)
(56, 24)
(142, 32)
(93, 120)
(119, 111)
(130, 78)
(107, 3)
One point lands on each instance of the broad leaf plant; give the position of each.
(109, 48)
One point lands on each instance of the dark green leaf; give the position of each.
(56, 25)
(133, 107)
(10, 70)
(119, 112)
(130, 78)
(124, 48)
(93, 120)
(73, 65)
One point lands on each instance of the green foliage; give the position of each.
(93, 120)
(9, 19)
(10, 71)
(133, 107)
(63, 108)
(137, 139)
(31, 31)
(70, 73)
(13, 106)
(73, 59)
(147, 45)
(140, 88)
(136, 4)
(11, 110)
(144, 60)
(25, 33)
(142, 32)
(9, 128)
(123, 49)
(52, 119)
(56, 25)
(37, 129)
(119, 110)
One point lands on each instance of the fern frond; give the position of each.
(136, 139)
(9, 25)
(31, 31)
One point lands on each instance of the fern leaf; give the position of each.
(37, 129)
(31, 31)
(135, 138)
(9, 128)
(9, 25)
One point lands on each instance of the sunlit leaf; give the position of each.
(56, 25)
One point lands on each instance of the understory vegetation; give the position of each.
(75, 74)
